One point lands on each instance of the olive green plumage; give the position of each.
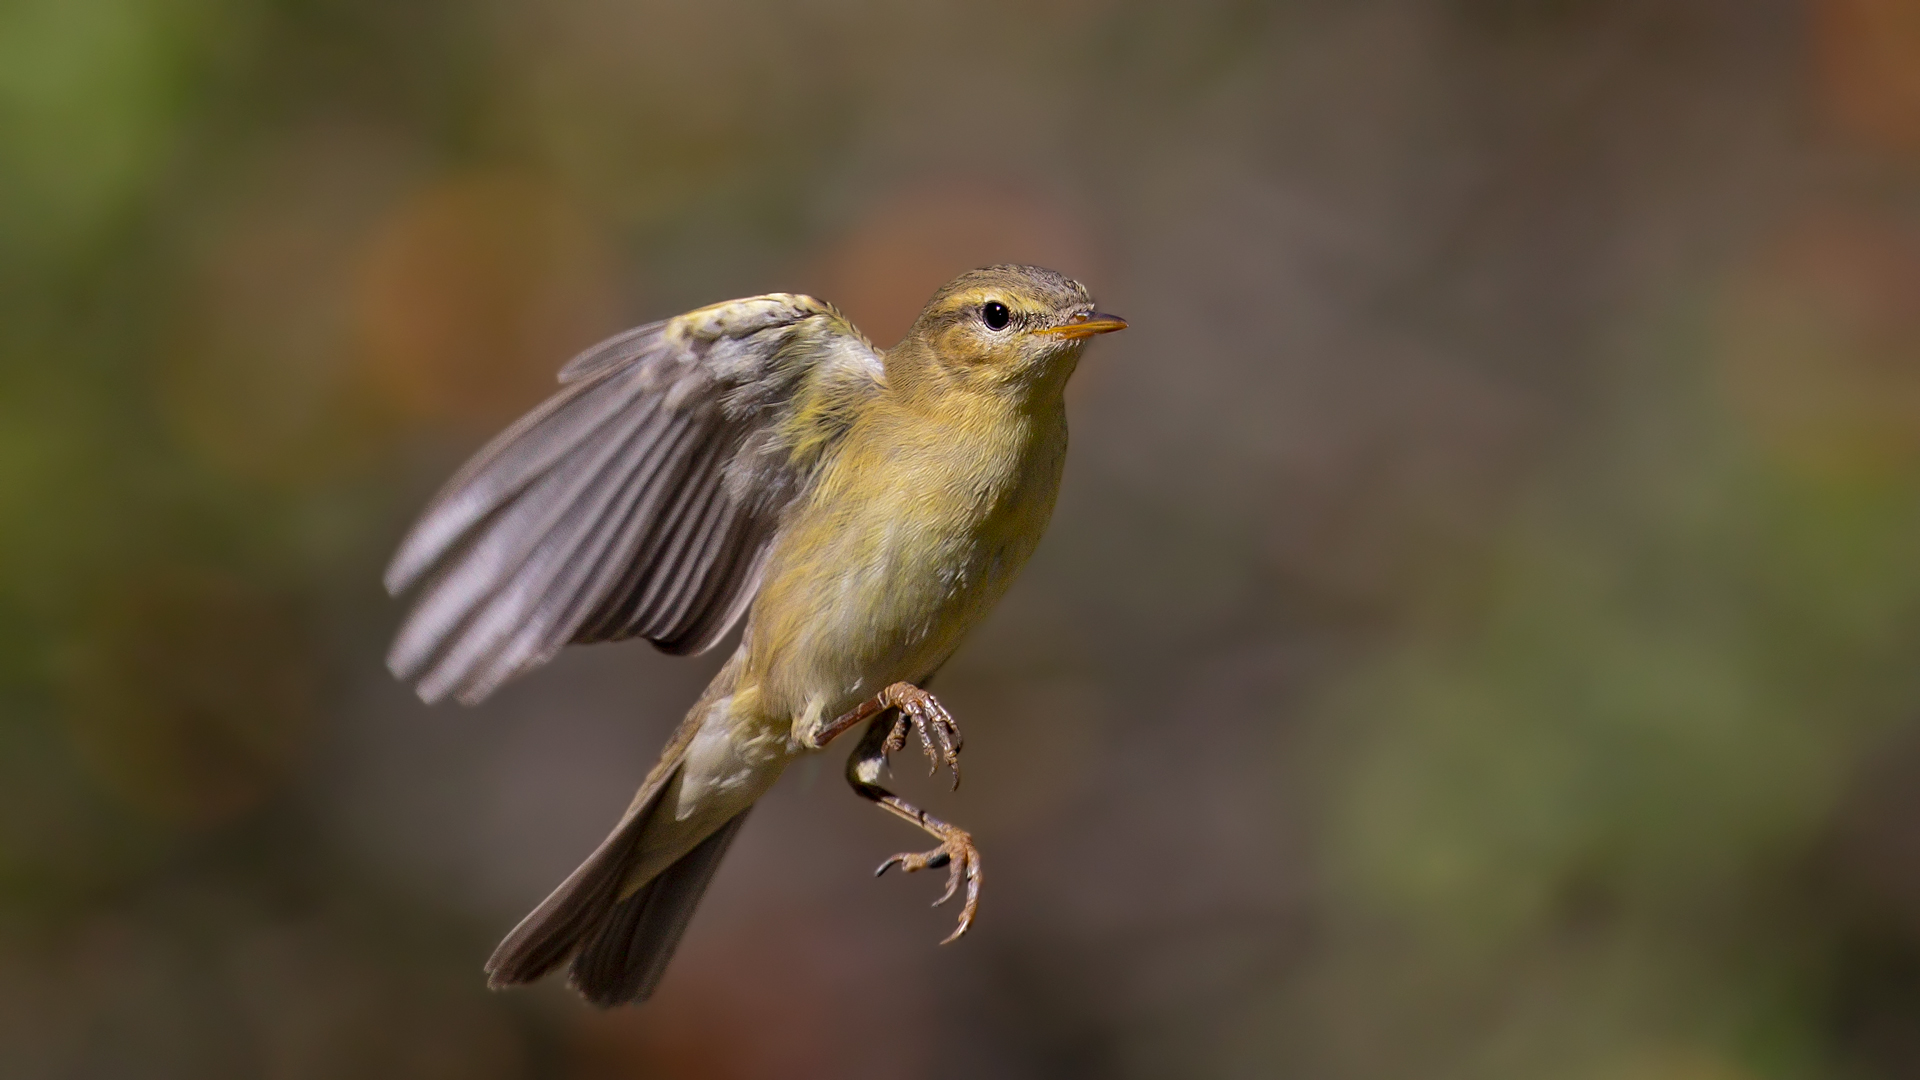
(756, 458)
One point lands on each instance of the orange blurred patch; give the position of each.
(193, 695)
(259, 375)
(883, 270)
(1868, 61)
(1819, 344)
(474, 292)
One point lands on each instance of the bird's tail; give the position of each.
(620, 945)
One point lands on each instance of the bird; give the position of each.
(759, 460)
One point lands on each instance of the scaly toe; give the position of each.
(962, 860)
(926, 740)
(953, 882)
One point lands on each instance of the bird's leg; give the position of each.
(894, 711)
(956, 850)
(914, 707)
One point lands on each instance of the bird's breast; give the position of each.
(911, 534)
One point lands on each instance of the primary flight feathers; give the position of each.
(638, 501)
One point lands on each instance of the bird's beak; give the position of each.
(1086, 326)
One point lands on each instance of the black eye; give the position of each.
(995, 314)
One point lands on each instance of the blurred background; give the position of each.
(1477, 637)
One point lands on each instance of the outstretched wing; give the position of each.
(639, 501)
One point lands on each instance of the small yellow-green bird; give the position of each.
(760, 458)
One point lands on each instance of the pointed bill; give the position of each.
(1086, 326)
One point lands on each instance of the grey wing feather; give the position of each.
(639, 501)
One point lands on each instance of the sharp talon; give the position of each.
(962, 860)
(953, 886)
(967, 910)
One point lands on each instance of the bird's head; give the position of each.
(1015, 329)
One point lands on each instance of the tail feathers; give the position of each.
(552, 931)
(621, 946)
(628, 951)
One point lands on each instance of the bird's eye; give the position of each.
(995, 315)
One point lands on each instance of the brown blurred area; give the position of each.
(1477, 637)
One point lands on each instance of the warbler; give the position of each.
(862, 509)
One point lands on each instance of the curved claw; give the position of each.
(939, 733)
(962, 860)
(953, 885)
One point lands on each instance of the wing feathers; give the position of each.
(504, 544)
(509, 634)
(513, 459)
(639, 500)
(728, 604)
(611, 353)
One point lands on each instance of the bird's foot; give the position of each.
(962, 860)
(939, 734)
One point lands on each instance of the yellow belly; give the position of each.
(911, 535)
